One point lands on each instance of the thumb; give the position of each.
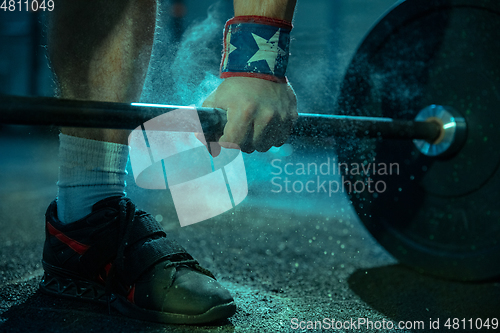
(224, 143)
(212, 147)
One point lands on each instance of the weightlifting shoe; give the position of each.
(121, 255)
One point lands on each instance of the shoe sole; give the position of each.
(60, 283)
(218, 312)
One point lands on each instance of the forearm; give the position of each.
(279, 9)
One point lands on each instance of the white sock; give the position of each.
(89, 172)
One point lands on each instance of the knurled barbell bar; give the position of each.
(436, 131)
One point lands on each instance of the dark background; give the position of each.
(282, 255)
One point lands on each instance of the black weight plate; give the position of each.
(439, 216)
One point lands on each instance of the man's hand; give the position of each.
(260, 113)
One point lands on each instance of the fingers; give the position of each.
(269, 130)
(260, 114)
(256, 129)
(239, 129)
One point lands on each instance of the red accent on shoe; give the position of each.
(107, 268)
(73, 244)
(131, 293)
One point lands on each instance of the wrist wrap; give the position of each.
(256, 46)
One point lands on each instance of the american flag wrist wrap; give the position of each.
(256, 46)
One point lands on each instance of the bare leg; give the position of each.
(100, 50)
(102, 245)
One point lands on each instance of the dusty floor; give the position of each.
(282, 257)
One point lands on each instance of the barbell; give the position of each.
(435, 127)
(421, 91)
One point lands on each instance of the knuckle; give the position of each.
(245, 114)
(266, 148)
(248, 150)
(248, 105)
(268, 116)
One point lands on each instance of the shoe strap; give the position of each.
(147, 228)
(147, 245)
(149, 254)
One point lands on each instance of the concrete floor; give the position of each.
(281, 256)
